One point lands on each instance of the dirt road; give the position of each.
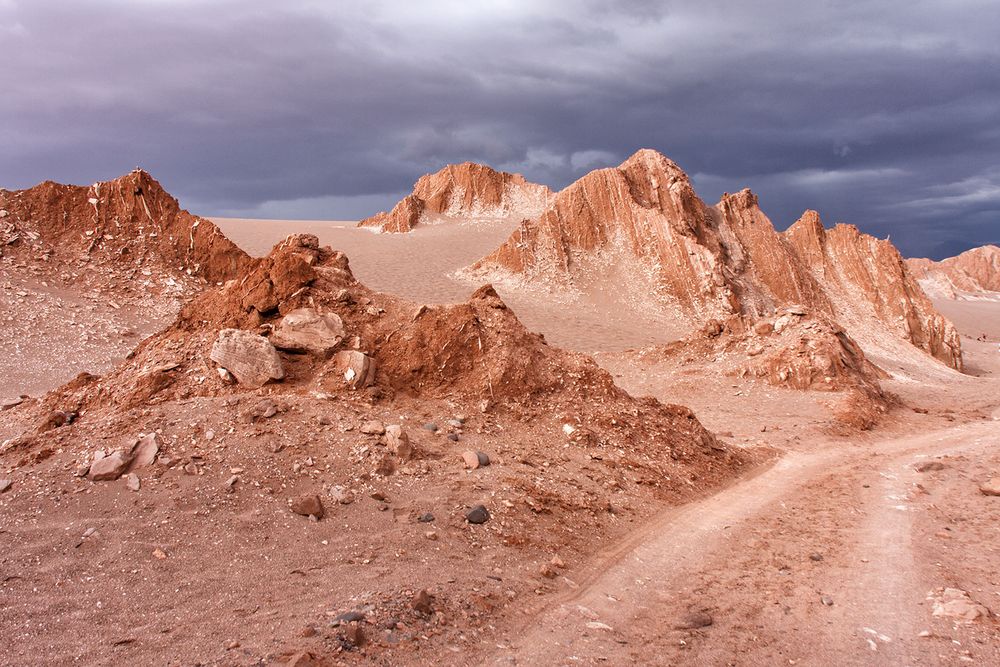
(813, 561)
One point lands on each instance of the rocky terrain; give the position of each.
(263, 461)
(724, 263)
(466, 191)
(973, 274)
(294, 406)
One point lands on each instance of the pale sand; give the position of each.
(418, 266)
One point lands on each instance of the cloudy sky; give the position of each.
(882, 114)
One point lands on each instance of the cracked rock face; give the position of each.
(307, 330)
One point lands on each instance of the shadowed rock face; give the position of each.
(975, 270)
(466, 190)
(868, 282)
(129, 221)
(724, 262)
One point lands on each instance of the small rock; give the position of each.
(422, 602)
(5, 485)
(307, 631)
(354, 635)
(159, 554)
(956, 603)
(455, 423)
(453, 437)
(342, 495)
(695, 620)
(929, 466)
(547, 571)
(264, 409)
(82, 470)
(399, 442)
(817, 557)
(8, 403)
(302, 659)
(477, 515)
(475, 460)
(991, 488)
(353, 616)
(426, 517)
(108, 468)
(597, 625)
(132, 482)
(144, 451)
(356, 368)
(308, 505)
(373, 427)
(232, 645)
(431, 426)
(826, 600)
(431, 535)
(386, 465)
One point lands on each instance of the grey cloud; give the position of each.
(878, 114)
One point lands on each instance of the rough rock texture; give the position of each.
(307, 330)
(130, 225)
(251, 359)
(705, 262)
(723, 263)
(871, 288)
(466, 190)
(974, 271)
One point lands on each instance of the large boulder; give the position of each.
(251, 359)
(307, 330)
(355, 369)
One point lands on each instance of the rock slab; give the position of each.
(251, 359)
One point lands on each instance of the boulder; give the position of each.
(251, 359)
(356, 368)
(109, 467)
(308, 330)
(373, 427)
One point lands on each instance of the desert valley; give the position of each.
(495, 425)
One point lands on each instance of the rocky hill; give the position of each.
(725, 262)
(971, 273)
(466, 191)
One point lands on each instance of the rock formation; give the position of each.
(871, 289)
(971, 273)
(128, 227)
(463, 191)
(725, 262)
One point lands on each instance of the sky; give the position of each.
(881, 114)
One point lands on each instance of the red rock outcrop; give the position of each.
(705, 262)
(974, 271)
(871, 289)
(463, 191)
(725, 262)
(124, 226)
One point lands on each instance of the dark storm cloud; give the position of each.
(879, 114)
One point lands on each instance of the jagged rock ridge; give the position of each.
(126, 226)
(463, 191)
(725, 262)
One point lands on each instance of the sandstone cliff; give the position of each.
(463, 191)
(973, 272)
(725, 262)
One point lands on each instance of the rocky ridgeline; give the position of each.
(125, 235)
(972, 273)
(463, 192)
(725, 262)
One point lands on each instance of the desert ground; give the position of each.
(619, 531)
